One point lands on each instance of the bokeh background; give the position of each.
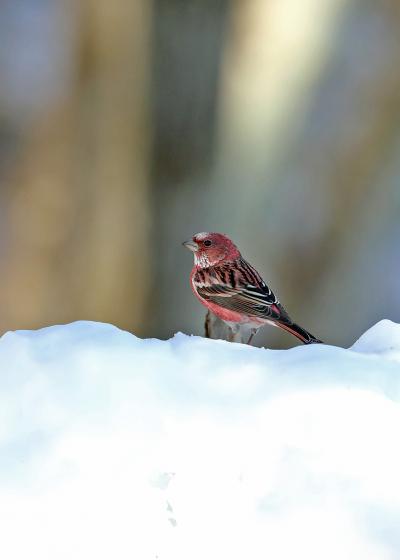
(127, 126)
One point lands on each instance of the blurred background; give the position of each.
(125, 127)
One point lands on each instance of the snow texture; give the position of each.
(113, 447)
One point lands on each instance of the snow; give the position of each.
(113, 447)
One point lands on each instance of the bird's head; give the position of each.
(210, 249)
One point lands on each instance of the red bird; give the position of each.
(233, 290)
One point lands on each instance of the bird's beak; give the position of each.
(191, 245)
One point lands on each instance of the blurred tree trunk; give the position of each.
(79, 211)
(272, 58)
(188, 45)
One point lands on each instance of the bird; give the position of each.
(228, 286)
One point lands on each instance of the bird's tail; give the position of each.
(299, 332)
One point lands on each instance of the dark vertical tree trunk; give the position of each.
(188, 43)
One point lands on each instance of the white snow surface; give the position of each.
(117, 448)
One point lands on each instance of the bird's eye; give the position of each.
(207, 243)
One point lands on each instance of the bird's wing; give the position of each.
(242, 291)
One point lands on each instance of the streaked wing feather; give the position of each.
(243, 298)
(241, 305)
(221, 290)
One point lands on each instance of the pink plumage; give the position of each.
(233, 290)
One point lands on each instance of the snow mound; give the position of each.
(113, 447)
(383, 338)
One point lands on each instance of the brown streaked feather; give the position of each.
(246, 293)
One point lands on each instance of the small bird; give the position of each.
(234, 291)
